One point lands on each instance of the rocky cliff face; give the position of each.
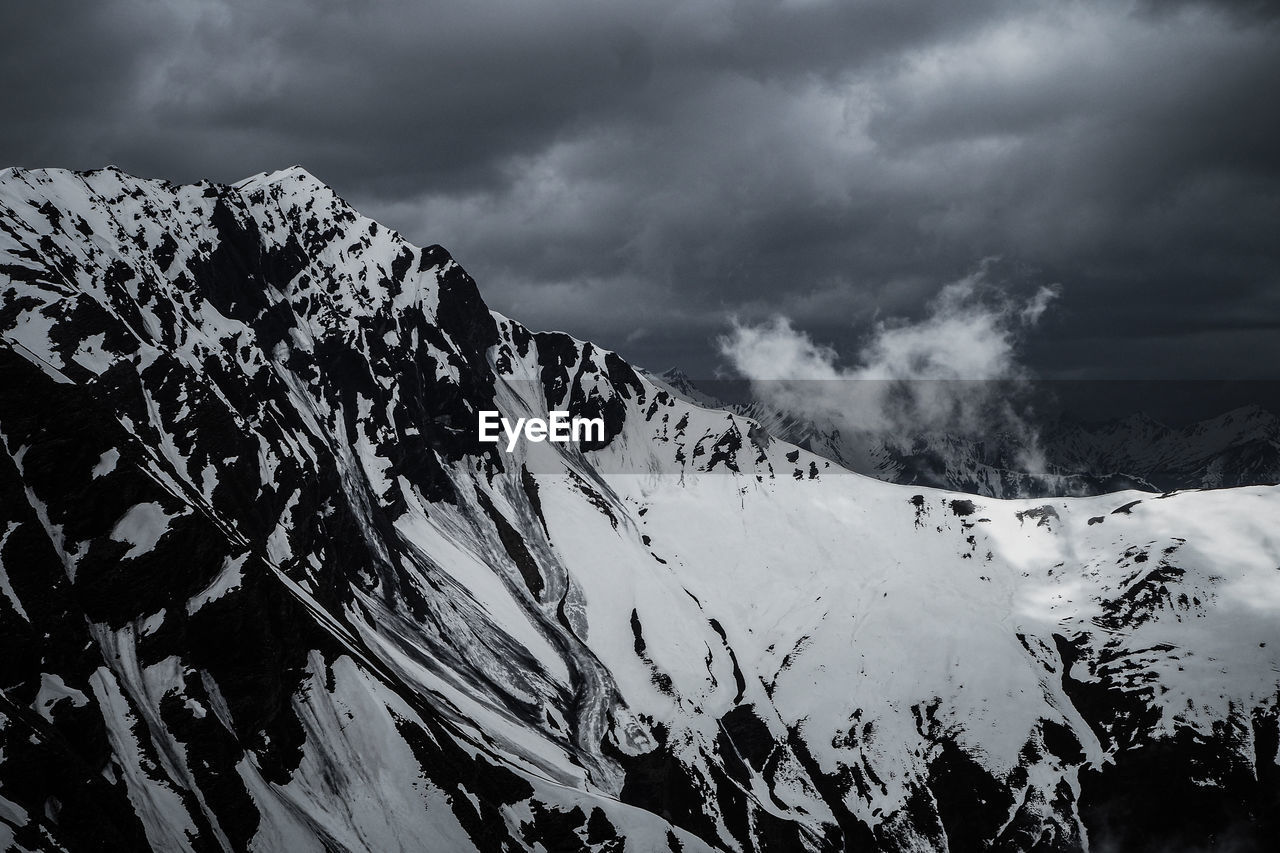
(261, 587)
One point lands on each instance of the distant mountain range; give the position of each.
(1238, 448)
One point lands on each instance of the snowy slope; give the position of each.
(264, 589)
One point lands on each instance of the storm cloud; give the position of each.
(638, 173)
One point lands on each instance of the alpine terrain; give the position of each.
(263, 588)
(1240, 447)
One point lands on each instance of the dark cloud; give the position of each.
(638, 172)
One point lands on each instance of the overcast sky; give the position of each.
(637, 173)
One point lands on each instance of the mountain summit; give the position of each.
(262, 587)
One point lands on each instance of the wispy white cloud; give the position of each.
(954, 370)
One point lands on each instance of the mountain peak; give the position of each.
(1252, 411)
(295, 174)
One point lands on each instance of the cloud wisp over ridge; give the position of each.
(956, 370)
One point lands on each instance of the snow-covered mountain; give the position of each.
(1060, 458)
(1240, 447)
(261, 586)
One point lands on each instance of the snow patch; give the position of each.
(5, 586)
(141, 527)
(106, 463)
(228, 579)
(52, 691)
